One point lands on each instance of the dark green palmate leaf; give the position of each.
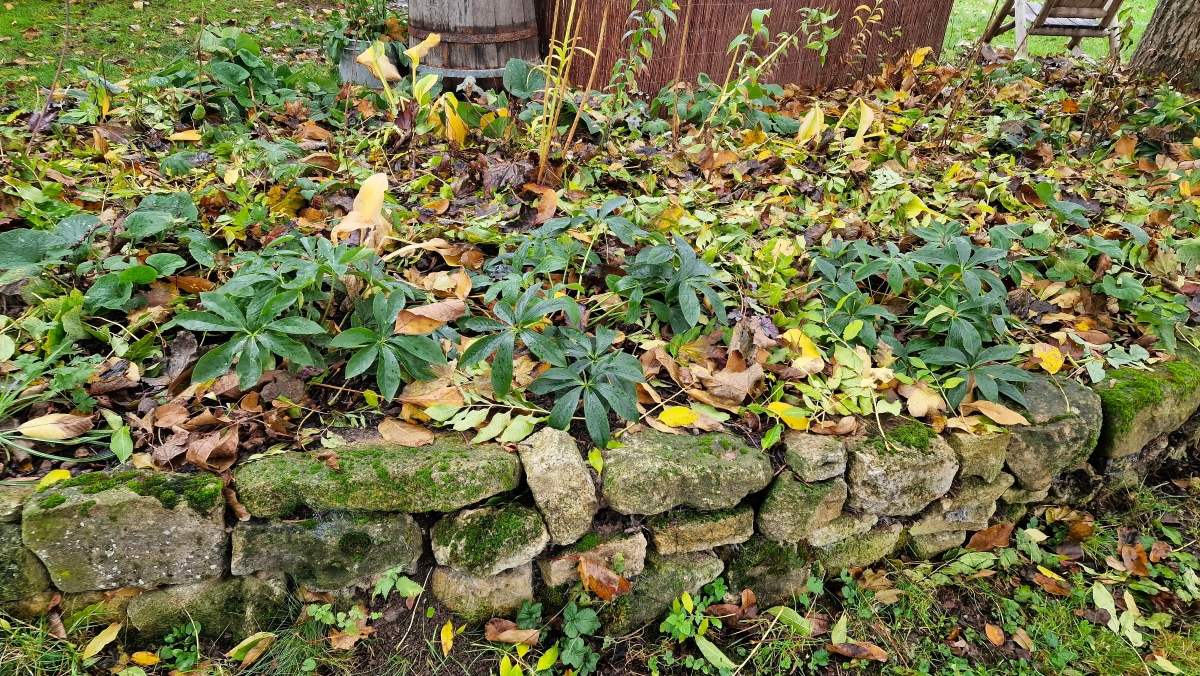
(396, 357)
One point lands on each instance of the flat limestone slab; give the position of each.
(331, 551)
(100, 534)
(477, 598)
(654, 472)
(441, 477)
(692, 531)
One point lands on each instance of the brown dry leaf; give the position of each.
(922, 400)
(444, 283)
(192, 284)
(547, 202)
(323, 160)
(1021, 638)
(995, 634)
(1052, 586)
(426, 318)
(1125, 147)
(56, 426)
(330, 459)
(206, 418)
(406, 434)
(346, 641)
(170, 415)
(239, 510)
(995, 537)
(450, 396)
(731, 386)
(500, 630)
(1134, 558)
(215, 451)
(859, 650)
(843, 427)
(888, 596)
(171, 454)
(1159, 551)
(998, 413)
(467, 255)
(56, 626)
(602, 581)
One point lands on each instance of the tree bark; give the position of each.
(1171, 44)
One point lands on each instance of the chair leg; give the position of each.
(1022, 25)
(1114, 46)
(993, 27)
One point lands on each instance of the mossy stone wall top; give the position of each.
(442, 477)
(1140, 405)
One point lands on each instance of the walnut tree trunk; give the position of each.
(1171, 43)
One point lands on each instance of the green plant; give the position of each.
(516, 319)
(181, 647)
(395, 580)
(259, 333)
(396, 356)
(602, 377)
(671, 289)
(979, 370)
(648, 25)
(688, 620)
(597, 221)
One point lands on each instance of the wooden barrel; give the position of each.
(478, 36)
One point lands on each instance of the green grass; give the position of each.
(118, 41)
(970, 17)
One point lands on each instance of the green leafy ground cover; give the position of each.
(199, 265)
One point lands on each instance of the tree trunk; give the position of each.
(1171, 43)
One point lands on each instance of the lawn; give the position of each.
(970, 18)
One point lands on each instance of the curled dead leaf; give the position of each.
(418, 321)
(859, 650)
(601, 581)
(405, 434)
(56, 426)
(998, 413)
(499, 630)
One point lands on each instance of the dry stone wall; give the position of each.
(669, 512)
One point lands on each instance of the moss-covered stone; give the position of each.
(969, 507)
(654, 472)
(560, 483)
(1065, 419)
(338, 550)
(489, 540)
(12, 500)
(896, 479)
(664, 579)
(814, 457)
(842, 528)
(477, 598)
(776, 572)
(1140, 405)
(21, 573)
(860, 551)
(792, 510)
(442, 477)
(622, 553)
(693, 531)
(117, 537)
(225, 609)
(929, 546)
(981, 455)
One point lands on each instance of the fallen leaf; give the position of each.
(102, 639)
(192, 284)
(215, 451)
(330, 458)
(56, 426)
(845, 426)
(1159, 551)
(678, 416)
(1052, 586)
(500, 630)
(998, 413)
(53, 477)
(1050, 357)
(922, 399)
(1021, 638)
(249, 650)
(994, 537)
(859, 650)
(170, 415)
(144, 659)
(547, 202)
(186, 135)
(447, 636)
(1134, 558)
(792, 416)
(995, 634)
(603, 582)
(426, 318)
(405, 434)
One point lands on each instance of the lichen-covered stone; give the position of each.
(21, 573)
(929, 546)
(12, 499)
(442, 477)
(623, 553)
(1020, 496)
(792, 510)
(814, 457)
(103, 607)
(969, 507)
(664, 580)
(560, 483)
(899, 480)
(477, 598)
(331, 551)
(980, 455)
(1141, 405)
(861, 551)
(225, 609)
(693, 531)
(844, 527)
(654, 472)
(776, 572)
(489, 540)
(131, 529)
(1065, 422)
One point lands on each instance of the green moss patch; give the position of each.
(51, 501)
(199, 491)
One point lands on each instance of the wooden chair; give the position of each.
(1076, 19)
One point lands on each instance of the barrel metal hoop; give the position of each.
(461, 72)
(478, 38)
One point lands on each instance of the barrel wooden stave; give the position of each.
(477, 35)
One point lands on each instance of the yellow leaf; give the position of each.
(144, 659)
(422, 87)
(1050, 574)
(866, 117)
(447, 637)
(53, 478)
(231, 176)
(678, 416)
(792, 416)
(102, 639)
(376, 60)
(56, 426)
(456, 129)
(811, 127)
(918, 56)
(367, 215)
(186, 135)
(415, 54)
(1052, 358)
